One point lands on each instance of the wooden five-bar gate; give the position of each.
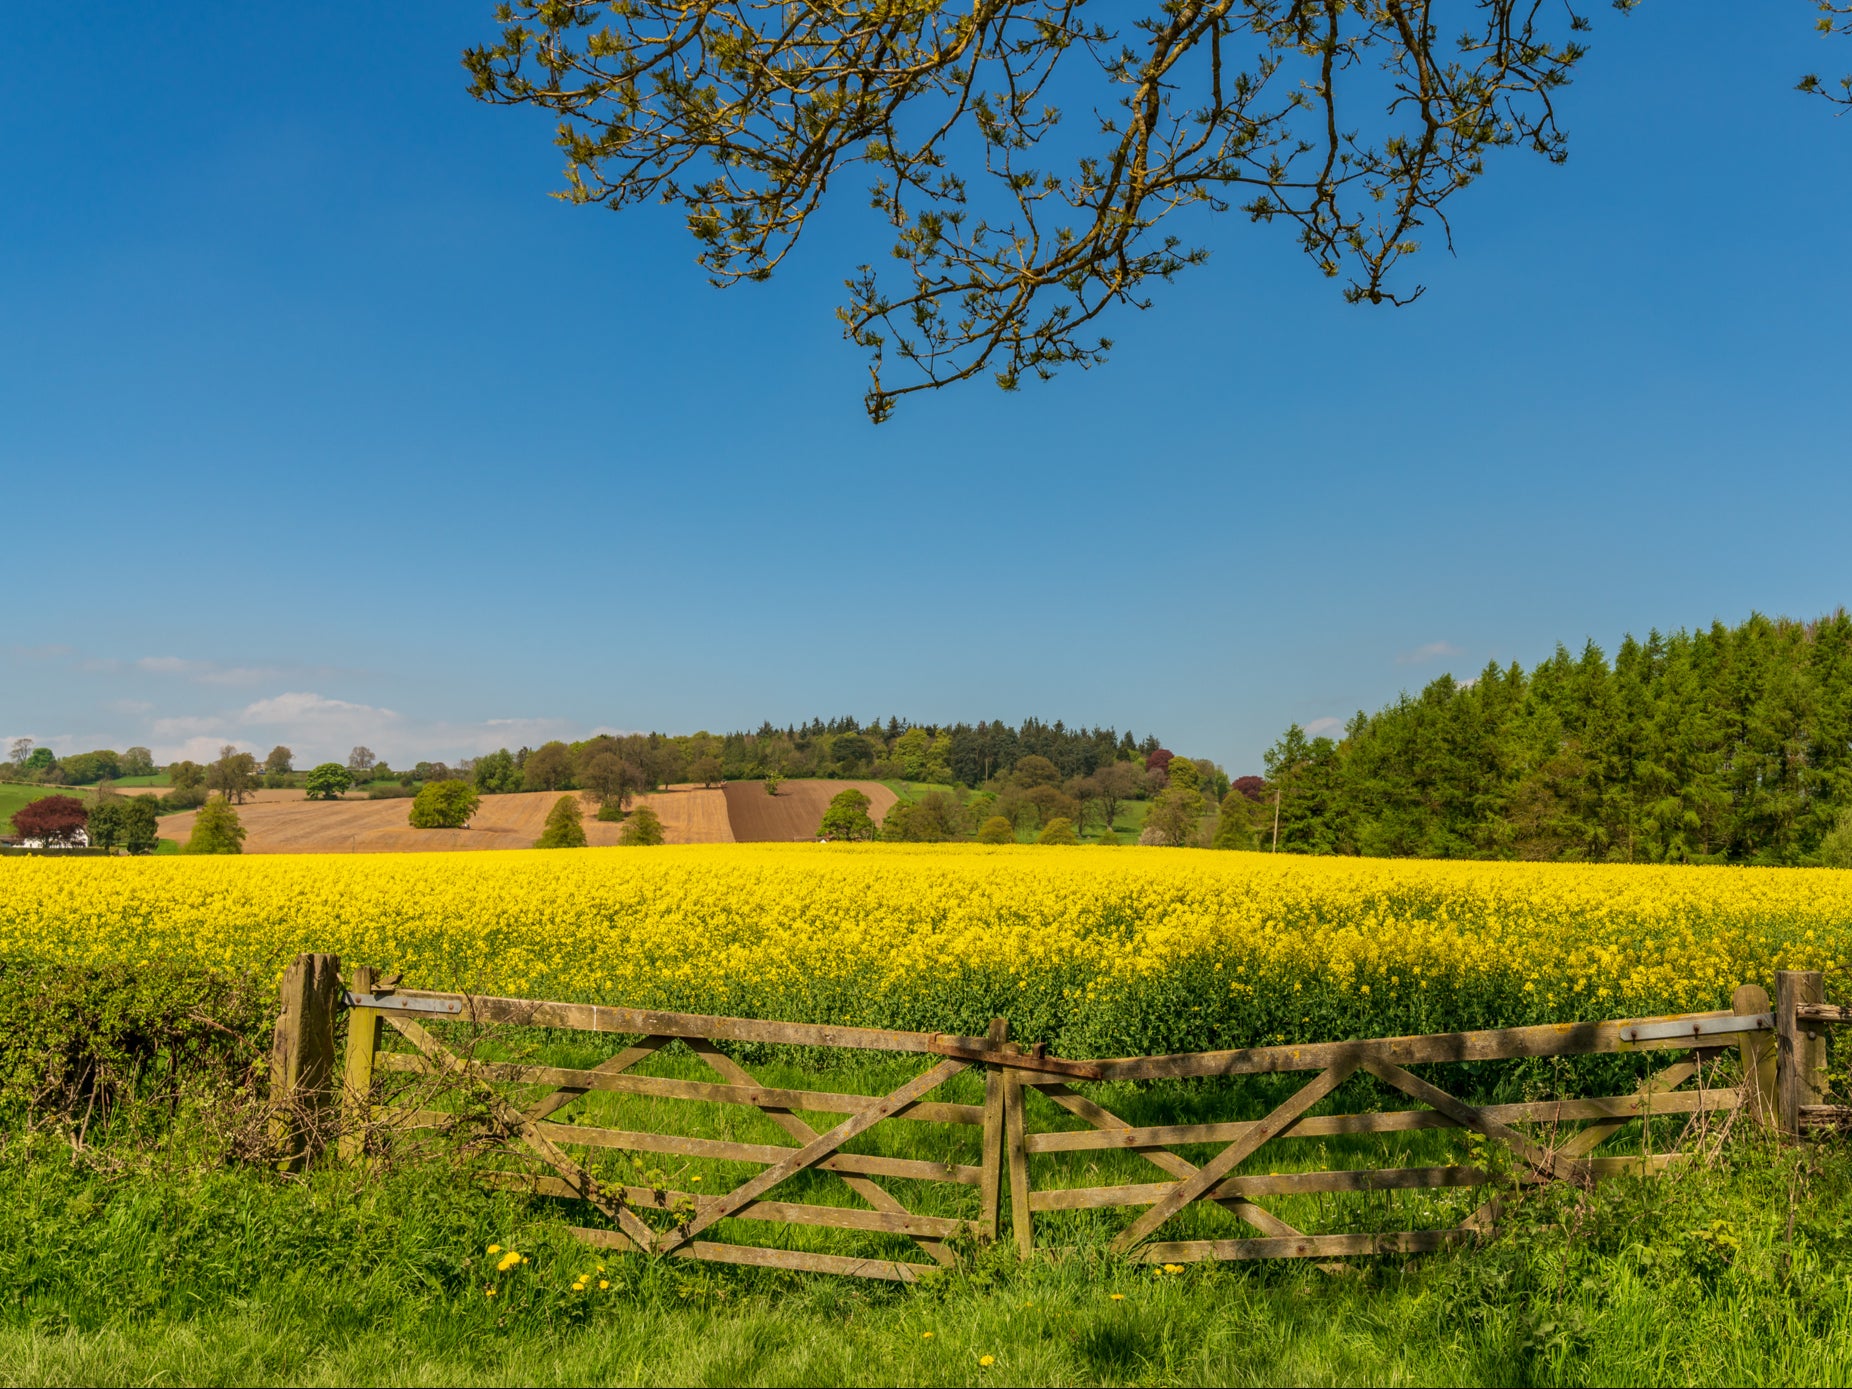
(1776, 1069)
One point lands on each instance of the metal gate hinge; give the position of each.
(1697, 1027)
(402, 1004)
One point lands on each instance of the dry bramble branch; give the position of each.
(1354, 120)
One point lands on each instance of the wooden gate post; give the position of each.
(302, 1056)
(357, 1082)
(991, 1192)
(1800, 1051)
(1020, 1221)
(1758, 1049)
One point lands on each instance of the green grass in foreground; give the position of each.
(235, 1276)
(159, 1261)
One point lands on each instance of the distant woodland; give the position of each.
(1728, 745)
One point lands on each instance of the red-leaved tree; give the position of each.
(51, 818)
(1253, 787)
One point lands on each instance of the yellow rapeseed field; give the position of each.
(1096, 950)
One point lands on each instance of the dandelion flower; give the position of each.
(603, 1283)
(987, 1360)
(925, 1335)
(1118, 1297)
(495, 1249)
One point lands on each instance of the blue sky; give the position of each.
(321, 423)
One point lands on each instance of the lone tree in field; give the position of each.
(705, 770)
(328, 781)
(216, 830)
(564, 827)
(444, 805)
(643, 827)
(996, 830)
(53, 819)
(361, 762)
(847, 817)
(278, 765)
(1014, 233)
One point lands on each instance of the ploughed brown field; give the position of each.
(795, 811)
(287, 822)
(690, 815)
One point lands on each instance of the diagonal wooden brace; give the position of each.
(874, 1194)
(1101, 1117)
(513, 1121)
(1224, 1162)
(811, 1153)
(552, 1104)
(1539, 1159)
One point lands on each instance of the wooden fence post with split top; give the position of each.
(1800, 1051)
(302, 1056)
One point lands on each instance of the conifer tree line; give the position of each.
(1725, 745)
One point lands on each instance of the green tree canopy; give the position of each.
(1173, 817)
(495, 773)
(996, 830)
(328, 781)
(565, 827)
(1234, 828)
(107, 825)
(443, 805)
(141, 832)
(932, 819)
(1059, 830)
(642, 828)
(847, 817)
(549, 767)
(216, 830)
(234, 775)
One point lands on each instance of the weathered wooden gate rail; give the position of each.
(1782, 1083)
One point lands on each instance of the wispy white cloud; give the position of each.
(1324, 728)
(1433, 651)
(207, 672)
(317, 726)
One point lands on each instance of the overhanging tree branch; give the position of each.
(1353, 120)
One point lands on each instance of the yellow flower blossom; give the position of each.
(1096, 947)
